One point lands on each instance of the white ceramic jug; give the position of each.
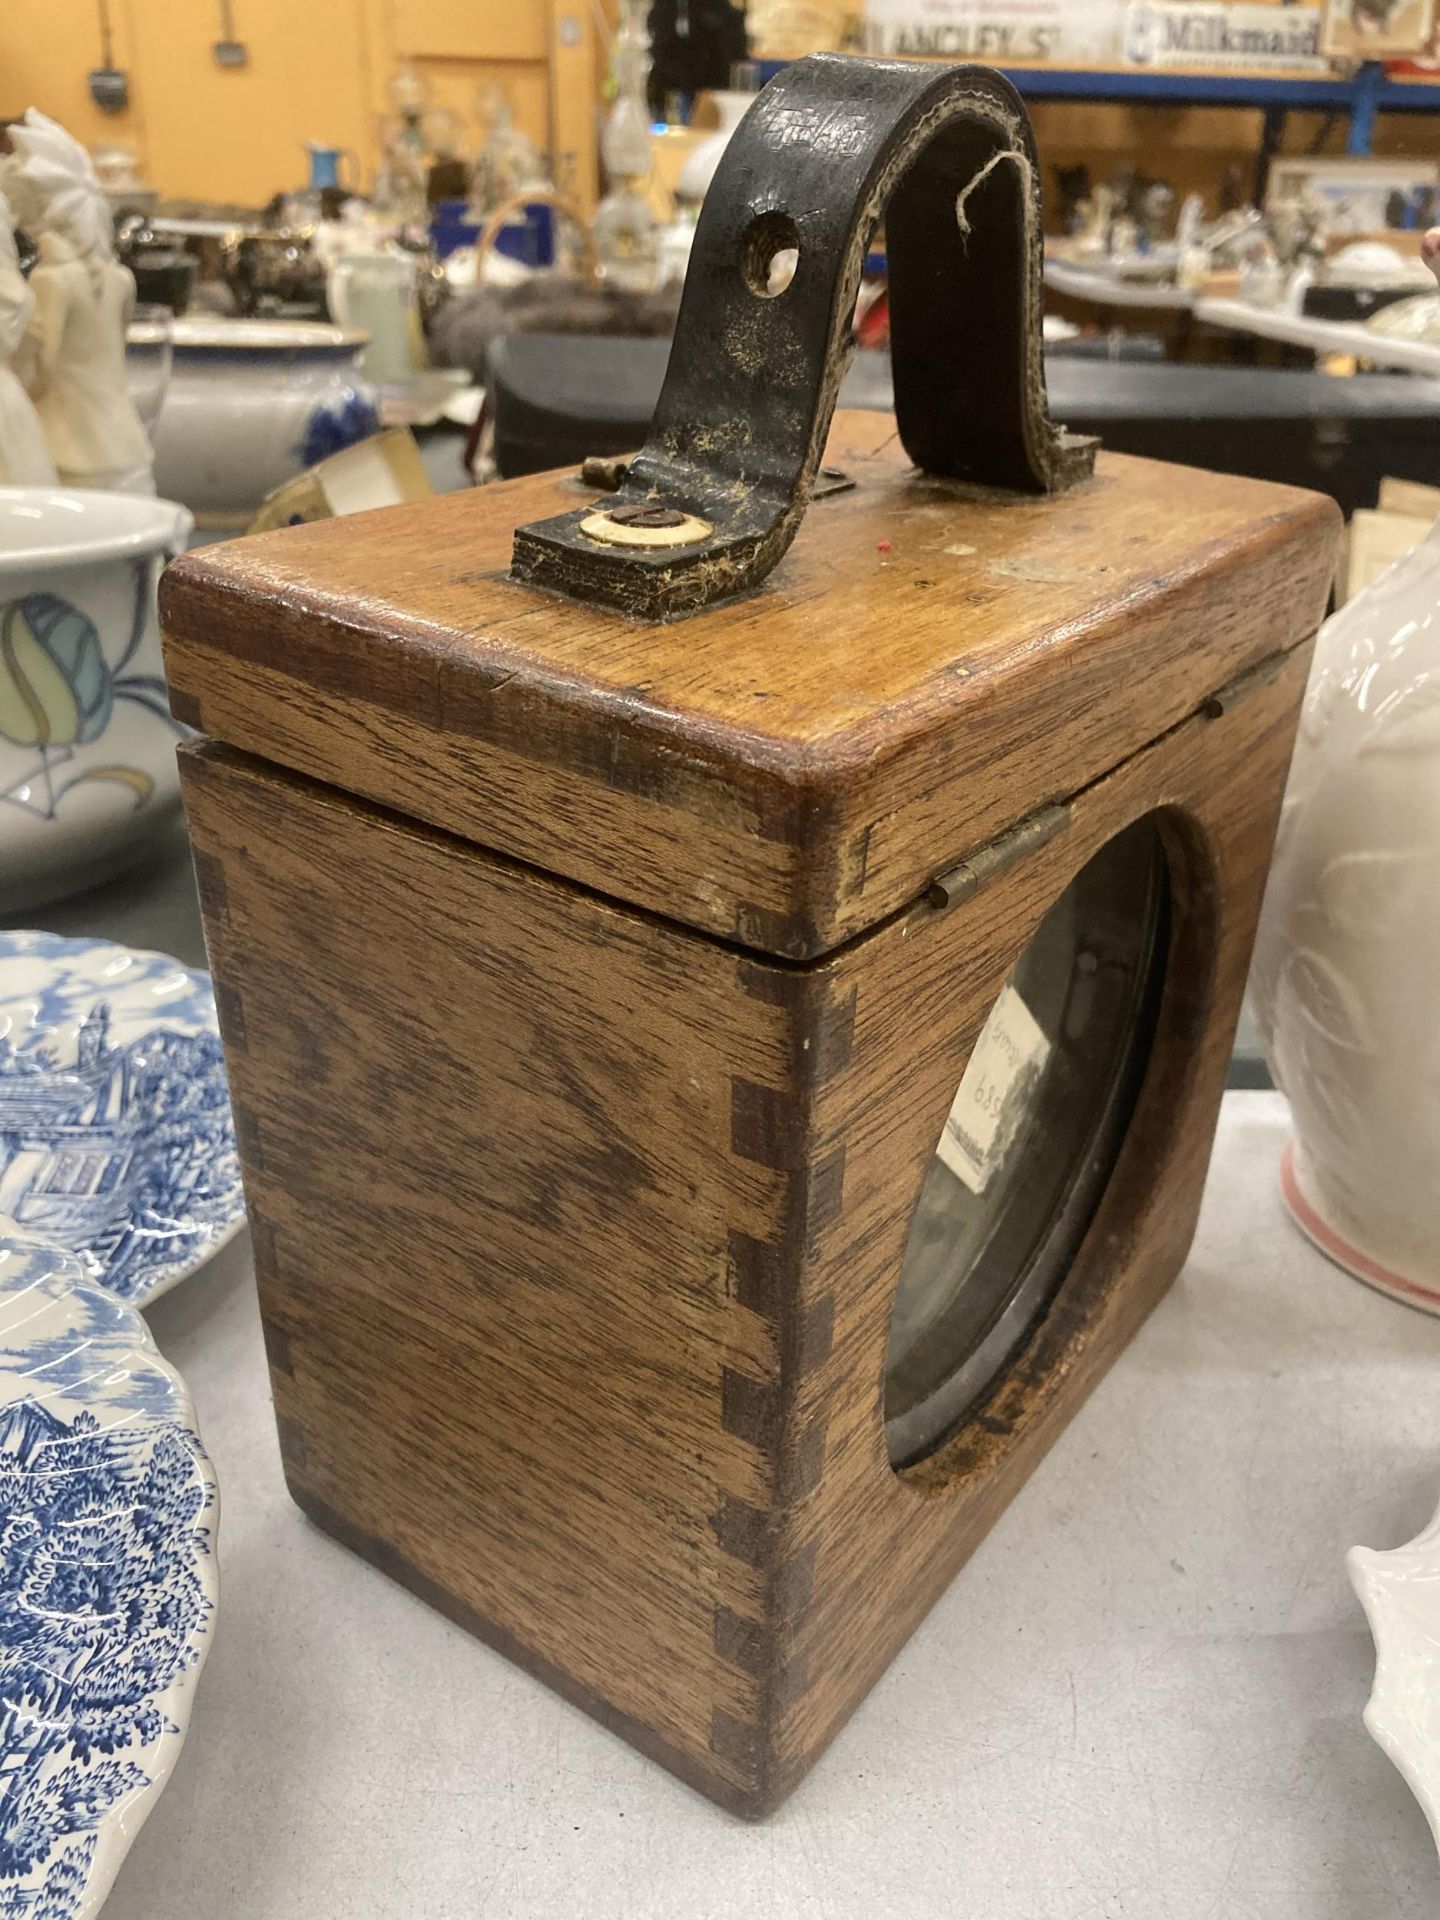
(375, 292)
(1346, 983)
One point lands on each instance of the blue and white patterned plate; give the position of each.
(107, 1581)
(115, 1134)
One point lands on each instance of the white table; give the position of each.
(1109, 290)
(1321, 336)
(1239, 316)
(1141, 1698)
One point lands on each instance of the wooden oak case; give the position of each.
(585, 1081)
(595, 987)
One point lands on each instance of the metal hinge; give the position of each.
(960, 882)
(949, 889)
(831, 480)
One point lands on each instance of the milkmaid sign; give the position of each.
(1204, 35)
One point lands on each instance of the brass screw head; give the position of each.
(643, 515)
(645, 523)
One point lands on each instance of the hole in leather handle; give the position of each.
(832, 144)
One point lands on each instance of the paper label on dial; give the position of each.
(985, 1114)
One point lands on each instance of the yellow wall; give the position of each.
(318, 69)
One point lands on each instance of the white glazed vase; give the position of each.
(251, 403)
(1346, 983)
(700, 164)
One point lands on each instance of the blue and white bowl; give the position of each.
(108, 1584)
(116, 1141)
(251, 403)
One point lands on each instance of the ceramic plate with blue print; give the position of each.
(107, 1581)
(115, 1134)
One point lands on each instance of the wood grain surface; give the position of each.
(926, 665)
(577, 1234)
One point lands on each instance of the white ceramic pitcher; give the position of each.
(376, 293)
(1346, 983)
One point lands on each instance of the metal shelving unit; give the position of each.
(1360, 95)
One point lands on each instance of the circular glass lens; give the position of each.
(1030, 1141)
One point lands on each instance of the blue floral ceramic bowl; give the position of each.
(251, 403)
(107, 1581)
(116, 1141)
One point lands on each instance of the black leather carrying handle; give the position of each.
(831, 144)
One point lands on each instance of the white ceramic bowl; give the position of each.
(250, 404)
(87, 745)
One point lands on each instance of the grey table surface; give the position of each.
(1141, 1697)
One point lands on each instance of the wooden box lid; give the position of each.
(928, 665)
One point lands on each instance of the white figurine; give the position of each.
(24, 458)
(83, 303)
